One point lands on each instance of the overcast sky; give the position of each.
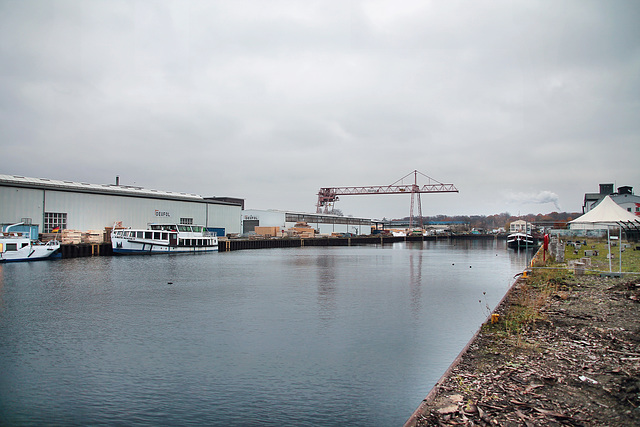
(523, 105)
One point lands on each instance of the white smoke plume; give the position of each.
(539, 198)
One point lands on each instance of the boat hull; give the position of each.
(132, 248)
(521, 240)
(30, 252)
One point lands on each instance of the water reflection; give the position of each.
(326, 282)
(297, 336)
(415, 280)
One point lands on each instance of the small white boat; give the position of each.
(164, 239)
(520, 240)
(398, 233)
(16, 246)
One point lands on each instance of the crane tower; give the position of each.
(327, 196)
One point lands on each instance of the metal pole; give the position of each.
(620, 245)
(609, 244)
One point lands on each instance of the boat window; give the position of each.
(140, 234)
(148, 234)
(156, 235)
(12, 247)
(184, 228)
(24, 245)
(197, 228)
(165, 236)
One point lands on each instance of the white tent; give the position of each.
(607, 214)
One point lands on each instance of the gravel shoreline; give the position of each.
(575, 361)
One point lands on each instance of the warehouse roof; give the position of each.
(45, 183)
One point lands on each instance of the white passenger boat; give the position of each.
(163, 239)
(16, 246)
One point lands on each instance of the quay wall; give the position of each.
(104, 249)
(239, 244)
(85, 250)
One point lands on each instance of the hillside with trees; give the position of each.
(502, 220)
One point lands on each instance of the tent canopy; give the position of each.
(607, 212)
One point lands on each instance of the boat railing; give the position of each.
(16, 235)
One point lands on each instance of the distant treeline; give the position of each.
(502, 220)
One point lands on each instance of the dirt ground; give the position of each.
(575, 362)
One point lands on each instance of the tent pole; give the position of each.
(620, 245)
(609, 244)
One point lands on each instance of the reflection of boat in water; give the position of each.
(164, 238)
(19, 247)
(521, 240)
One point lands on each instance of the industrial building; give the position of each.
(322, 223)
(624, 197)
(51, 204)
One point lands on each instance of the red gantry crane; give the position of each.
(329, 195)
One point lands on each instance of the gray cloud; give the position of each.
(271, 101)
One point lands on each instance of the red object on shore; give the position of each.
(545, 247)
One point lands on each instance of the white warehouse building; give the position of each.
(81, 206)
(322, 223)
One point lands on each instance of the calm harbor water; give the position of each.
(329, 336)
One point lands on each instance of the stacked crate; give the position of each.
(268, 231)
(73, 237)
(303, 230)
(93, 236)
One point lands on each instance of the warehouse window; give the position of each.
(54, 220)
(186, 221)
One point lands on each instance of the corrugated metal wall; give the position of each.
(87, 211)
(17, 203)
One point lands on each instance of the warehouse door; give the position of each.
(249, 225)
